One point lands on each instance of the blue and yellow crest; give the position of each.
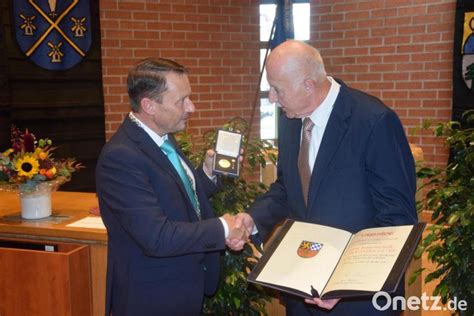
(54, 34)
(309, 249)
(468, 50)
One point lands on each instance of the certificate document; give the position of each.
(312, 260)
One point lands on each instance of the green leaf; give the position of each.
(429, 239)
(415, 276)
(419, 251)
(426, 172)
(236, 302)
(453, 218)
(429, 278)
(426, 123)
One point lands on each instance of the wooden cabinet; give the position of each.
(69, 281)
(52, 281)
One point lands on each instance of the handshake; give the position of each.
(241, 227)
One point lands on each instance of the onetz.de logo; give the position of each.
(414, 303)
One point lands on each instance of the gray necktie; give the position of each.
(303, 157)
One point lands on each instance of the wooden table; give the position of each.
(75, 206)
(67, 207)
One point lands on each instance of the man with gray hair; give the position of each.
(343, 161)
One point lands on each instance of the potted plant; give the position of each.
(234, 295)
(29, 168)
(450, 195)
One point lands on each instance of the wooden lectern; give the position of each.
(48, 268)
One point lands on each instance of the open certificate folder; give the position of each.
(312, 260)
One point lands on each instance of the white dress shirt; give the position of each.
(320, 118)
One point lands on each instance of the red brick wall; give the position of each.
(400, 51)
(216, 39)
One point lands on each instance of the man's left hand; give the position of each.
(326, 304)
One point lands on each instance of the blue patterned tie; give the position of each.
(173, 157)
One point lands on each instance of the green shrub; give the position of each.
(234, 295)
(450, 195)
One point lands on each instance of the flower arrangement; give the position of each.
(30, 162)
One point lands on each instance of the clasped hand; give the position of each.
(240, 228)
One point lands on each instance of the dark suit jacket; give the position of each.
(161, 259)
(363, 176)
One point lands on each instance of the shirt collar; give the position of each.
(320, 116)
(156, 138)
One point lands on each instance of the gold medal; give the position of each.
(224, 163)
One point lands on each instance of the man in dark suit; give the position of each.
(163, 238)
(344, 161)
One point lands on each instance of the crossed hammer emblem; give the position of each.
(54, 26)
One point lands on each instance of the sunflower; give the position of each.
(27, 166)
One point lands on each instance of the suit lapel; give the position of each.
(147, 145)
(294, 132)
(151, 149)
(333, 135)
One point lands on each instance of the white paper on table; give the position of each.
(89, 222)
